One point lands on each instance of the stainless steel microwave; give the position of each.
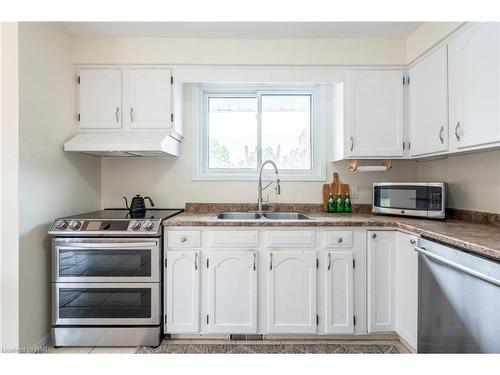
(421, 199)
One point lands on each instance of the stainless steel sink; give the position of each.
(238, 216)
(286, 216)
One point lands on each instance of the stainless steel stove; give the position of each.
(106, 278)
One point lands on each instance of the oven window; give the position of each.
(108, 303)
(398, 198)
(104, 263)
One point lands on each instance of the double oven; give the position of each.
(106, 283)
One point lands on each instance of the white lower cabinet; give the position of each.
(291, 291)
(339, 285)
(232, 291)
(182, 292)
(406, 287)
(380, 255)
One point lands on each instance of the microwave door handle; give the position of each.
(108, 245)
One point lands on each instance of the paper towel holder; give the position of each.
(384, 167)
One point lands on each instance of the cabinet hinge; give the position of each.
(171, 80)
(165, 262)
(207, 318)
(172, 117)
(78, 79)
(317, 319)
(207, 266)
(354, 263)
(78, 117)
(354, 320)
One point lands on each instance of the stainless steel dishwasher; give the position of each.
(458, 301)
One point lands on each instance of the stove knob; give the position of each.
(74, 224)
(134, 225)
(148, 225)
(61, 224)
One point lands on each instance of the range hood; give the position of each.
(124, 143)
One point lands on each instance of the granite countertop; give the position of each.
(483, 239)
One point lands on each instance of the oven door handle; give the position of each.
(107, 245)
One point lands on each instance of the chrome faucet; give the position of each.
(278, 189)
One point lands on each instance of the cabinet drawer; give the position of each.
(290, 239)
(342, 239)
(233, 238)
(183, 238)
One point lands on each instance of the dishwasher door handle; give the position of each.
(457, 266)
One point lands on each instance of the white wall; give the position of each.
(474, 179)
(168, 181)
(9, 196)
(52, 183)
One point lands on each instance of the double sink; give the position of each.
(257, 216)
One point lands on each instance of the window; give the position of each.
(240, 128)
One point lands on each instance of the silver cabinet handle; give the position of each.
(195, 261)
(457, 266)
(374, 235)
(117, 114)
(254, 258)
(132, 114)
(183, 239)
(270, 261)
(329, 261)
(441, 137)
(340, 240)
(456, 130)
(352, 143)
(412, 241)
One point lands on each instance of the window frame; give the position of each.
(201, 95)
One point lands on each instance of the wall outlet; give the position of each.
(354, 191)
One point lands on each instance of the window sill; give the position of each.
(252, 177)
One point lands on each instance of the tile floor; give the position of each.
(233, 346)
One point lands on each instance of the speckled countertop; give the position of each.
(483, 239)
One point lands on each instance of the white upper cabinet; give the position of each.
(232, 291)
(375, 114)
(150, 98)
(428, 104)
(182, 292)
(474, 67)
(100, 97)
(291, 291)
(339, 279)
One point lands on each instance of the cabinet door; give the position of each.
(291, 292)
(375, 114)
(429, 104)
(406, 288)
(100, 98)
(380, 281)
(339, 279)
(150, 97)
(474, 60)
(232, 292)
(182, 292)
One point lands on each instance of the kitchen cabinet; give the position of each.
(150, 99)
(182, 292)
(474, 60)
(375, 114)
(406, 287)
(100, 98)
(428, 104)
(291, 291)
(232, 291)
(339, 279)
(380, 256)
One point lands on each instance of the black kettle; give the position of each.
(137, 205)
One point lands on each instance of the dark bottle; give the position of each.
(331, 203)
(347, 203)
(339, 204)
